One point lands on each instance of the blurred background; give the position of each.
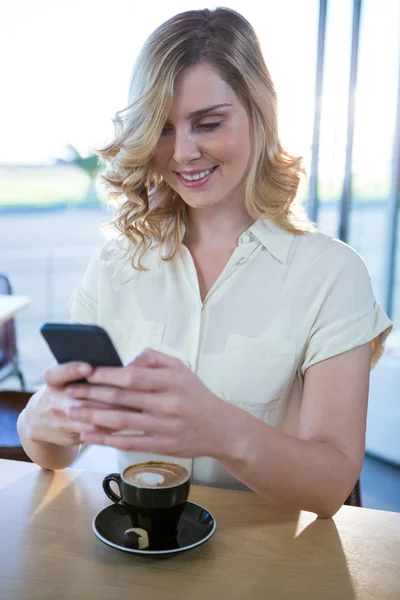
(65, 73)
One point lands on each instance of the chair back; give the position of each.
(355, 496)
(11, 404)
(8, 343)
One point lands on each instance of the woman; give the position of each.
(261, 329)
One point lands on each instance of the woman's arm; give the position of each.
(179, 416)
(317, 470)
(45, 454)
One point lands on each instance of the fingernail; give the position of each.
(84, 369)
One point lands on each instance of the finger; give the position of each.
(134, 378)
(67, 403)
(133, 443)
(157, 403)
(93, 429)
(60, 375)
(74, 427)
(119, 421)
(152, 358)
(110, 396)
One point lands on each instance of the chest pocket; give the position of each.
(255, 372)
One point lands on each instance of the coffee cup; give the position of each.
(154, 494)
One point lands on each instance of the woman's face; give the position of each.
(204, 149)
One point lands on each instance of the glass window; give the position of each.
(376, 105)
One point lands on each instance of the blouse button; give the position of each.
(241, 261)
(246, 238)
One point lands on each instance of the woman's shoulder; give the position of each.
(326, 252)
(114, 259)
(113, 250)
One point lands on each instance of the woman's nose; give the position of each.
(185, 148)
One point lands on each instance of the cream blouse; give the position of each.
(282, 303)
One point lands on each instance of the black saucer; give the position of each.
(196, 526)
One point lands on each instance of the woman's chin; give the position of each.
(200, 202)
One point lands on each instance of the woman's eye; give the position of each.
(166, 130)
(210, 126)
(203, 126)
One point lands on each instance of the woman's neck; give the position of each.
(215, 228)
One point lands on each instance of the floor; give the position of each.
(380, 482)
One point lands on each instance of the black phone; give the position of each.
(84, 343)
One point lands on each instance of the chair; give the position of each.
(355, 496)
(9, 365)
(11, 404)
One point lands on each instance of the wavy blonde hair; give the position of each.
(147, 210)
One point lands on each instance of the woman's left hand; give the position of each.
(161, 401)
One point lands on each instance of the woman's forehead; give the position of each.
(200, 87)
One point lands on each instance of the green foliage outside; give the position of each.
(90, 165)
(74, 181)
(44, 186)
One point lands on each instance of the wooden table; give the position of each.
(10, 304)
(48, 549)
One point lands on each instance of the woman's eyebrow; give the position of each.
(207, 109)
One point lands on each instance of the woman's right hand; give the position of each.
(45, 417)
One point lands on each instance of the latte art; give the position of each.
(148, 478)
(156, 474)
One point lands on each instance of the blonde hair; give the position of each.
(147, 209)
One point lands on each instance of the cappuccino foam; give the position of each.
(156, 474)
(149, 478)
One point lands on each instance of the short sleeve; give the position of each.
(83, 301)
(348, 314)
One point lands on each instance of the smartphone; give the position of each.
(84, 343)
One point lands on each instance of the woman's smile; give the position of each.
(197, 178)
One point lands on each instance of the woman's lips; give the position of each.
(196, 183)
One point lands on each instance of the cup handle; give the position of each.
(107, 489)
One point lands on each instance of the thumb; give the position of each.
(141, 359)
(151, 359)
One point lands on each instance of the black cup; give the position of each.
(155, 509)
